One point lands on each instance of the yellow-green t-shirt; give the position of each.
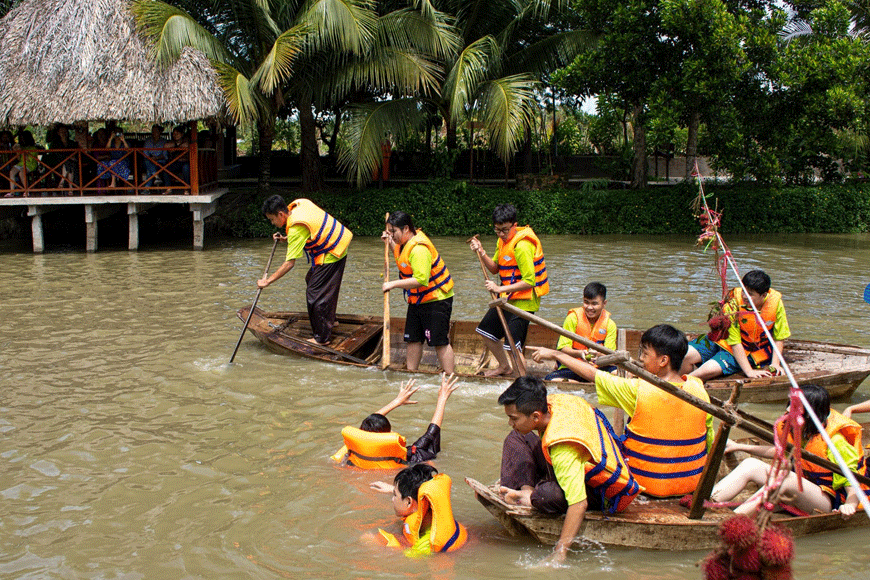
(621, 393)
(524, 252)
(421, 267)
(570, 325)
(849, 454)
(569, 465)
(297, 236)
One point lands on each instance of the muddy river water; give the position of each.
(130, 449)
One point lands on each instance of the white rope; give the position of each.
(862, 497)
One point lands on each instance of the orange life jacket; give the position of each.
(573, 420)
(374, 450)
(510, 273)
(326, 234)
(758, 348)
(666, 439)
(598, 333)
(439, 276)
(851, 431)
(446, 534)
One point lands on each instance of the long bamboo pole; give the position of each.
(385, 356)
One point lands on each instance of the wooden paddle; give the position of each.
(519, 367)
(385, 357)
(254, 305)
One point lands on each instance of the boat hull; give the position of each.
(357, 341)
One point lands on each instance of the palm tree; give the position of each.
(504, 48)
(280, 53)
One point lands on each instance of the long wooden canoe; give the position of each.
(357, 341)
(656, 524)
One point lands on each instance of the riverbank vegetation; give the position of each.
(454, 208)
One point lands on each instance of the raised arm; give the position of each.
(448, 385)
(406, 390)
(582, 368)
(859, 408)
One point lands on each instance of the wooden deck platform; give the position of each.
(97, 207)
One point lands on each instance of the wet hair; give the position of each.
(399, 219)
(757, 281)
(595, 289)
(409, 480)
(376, 423)
(274, 205)
(667, 341)
(504, 214)
(820, 402)
(528, 394)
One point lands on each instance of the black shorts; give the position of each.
(429, 321)
(491, 327)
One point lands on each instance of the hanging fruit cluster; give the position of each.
(748, 552)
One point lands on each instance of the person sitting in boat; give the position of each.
(421, 497)
(591, 321)
(821, 488)
(578, 441)
(746, 348)
(666, 439)
(375, 446)
(311, 231)
(428, 288)
(519, 262)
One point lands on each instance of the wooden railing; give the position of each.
(89, 172)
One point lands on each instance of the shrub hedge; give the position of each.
(456, 208)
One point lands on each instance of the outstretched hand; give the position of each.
(382, 487)
(448, 385)
(406, 391)
(540, 353)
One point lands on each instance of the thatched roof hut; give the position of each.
(63, 61)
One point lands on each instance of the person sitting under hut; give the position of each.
(592, 322)
(577, 440)
(421, 497)
(666, 439)
(820, 488)
(375, 446)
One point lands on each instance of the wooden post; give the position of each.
(91, 223)
(200, 212)
(714, 459)
(194, 164)
(35, 213)
(133, 227)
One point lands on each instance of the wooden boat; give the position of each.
(655, 524)
(357, 341)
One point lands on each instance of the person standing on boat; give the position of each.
(428, 288)
(310, 230)
(820, 488)
(745, 348)
(376, 446)
(591, 321)
(578, 441)
(666, 439)
(519, 262)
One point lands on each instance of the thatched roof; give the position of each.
(82, 60)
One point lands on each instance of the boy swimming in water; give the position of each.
(376, 446)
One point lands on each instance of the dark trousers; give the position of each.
(322, 285)
(523, 463)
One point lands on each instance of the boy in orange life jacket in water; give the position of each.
(375, 446)
(666, 439)
(421, 496)
(746, 348)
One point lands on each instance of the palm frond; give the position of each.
(469, 71)
(346, 25)
(408, 28)
(795, 29)
(551, 53)
(277, 66)
(386, 70)
(367, 125)
(506, 106)
(243, 101)
(171, 29)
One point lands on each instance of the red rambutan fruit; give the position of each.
(716, 567)
(776, 547)
(747, 560)
(738, 532)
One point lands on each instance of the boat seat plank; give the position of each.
(351, 343)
